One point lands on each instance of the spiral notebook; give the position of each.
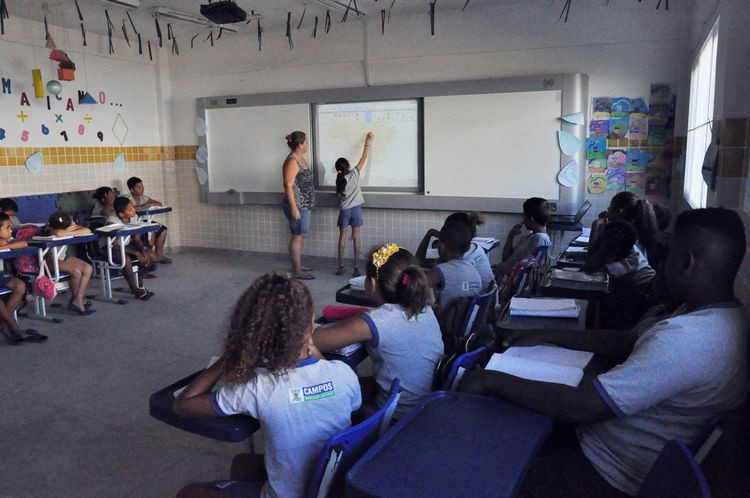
(544, 307)
(542, 363)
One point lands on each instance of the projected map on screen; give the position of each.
(394, 154)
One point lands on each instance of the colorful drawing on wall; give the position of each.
(638, 127)
(120, 129)
(202, 175)
(620, 107)
(637, 160)
(599, 128)
(618, 128)
(616, 179)
(601, 107)
(638, 106)
(635, 182)
(596, 148)
(655, 184)
(34, 163)
(575, 118)
(616, 158)
(568, 175)
(597, 183)
(657, 135)
(597, 165)
(119, 164)
(569, 143)
(200, 127)
(201, 155)
(659, 114)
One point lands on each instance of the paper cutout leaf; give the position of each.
(200, 127)
(201, 155)
(576, 118)
(202, 175)
(119, 164)
(34, 163)
(569, 143)
(568, 176)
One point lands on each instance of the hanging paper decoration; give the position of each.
(119, 164)
(169, 31)
(158, 30)
(110, 28)
(201, 155)
(260, 36)
(54, 87)
(36, 77)
(565, 11)
(221, 32)
(346, 12)
(211, 37)
(34, 163)
(3, 16)
(80, 20)
(125, 33)
(202, 175)
(66, 68)
(382, 22)
(48, 41)
(393, 2)
(289, 30)
(193, 39)
(132, 25)
(569, 143)
(299, 25)
(87, 98)
(200, 127)
(175, 48)
(328, 21)
(666, 4)
(568, 176)
(465, 5)
(150, 56)
(315, 27)
(576, 118)
(432, 18)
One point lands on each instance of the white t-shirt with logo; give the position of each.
(298, 412)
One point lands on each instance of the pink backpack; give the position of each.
(27, 263)
(44, 286)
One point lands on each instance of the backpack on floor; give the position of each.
(28, 263)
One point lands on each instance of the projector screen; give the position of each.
(393, 161)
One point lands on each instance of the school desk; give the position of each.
(14, 253)
(352, 359)
(151, 212)
(452, 444)
(592, 292)
(356, 297)
(557, 233)
(509, 322)
(231, 429)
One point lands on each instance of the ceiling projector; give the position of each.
(223, 12)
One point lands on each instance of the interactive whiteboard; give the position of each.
(393, 160)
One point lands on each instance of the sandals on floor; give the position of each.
(34, 336)
(14, 340)
(164, 260)
(340, 271)
(303, 276)
(74, 309)
(145, 295)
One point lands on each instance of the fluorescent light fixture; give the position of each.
(178, 15)
(340, 6)
(128, 4)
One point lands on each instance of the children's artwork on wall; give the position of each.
(616, 158)
(637, 160)
(201, 155)
(597, 165)
(34, 163)
(620, 107)
(618, 127)
(119, 164)
(597, 183)
(599, 128)
(616, 179)
(202, 175)
(596, 148)
(638, 127)
(638, 106)
(569, 143)
(655, 184)
(635, 182)
(657, 135)
(568, 175)
(601, 107)
(575, 118)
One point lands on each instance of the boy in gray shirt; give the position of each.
(454, 277)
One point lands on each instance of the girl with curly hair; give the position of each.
(274, 373)
(402, 334)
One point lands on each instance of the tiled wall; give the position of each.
(16, 156)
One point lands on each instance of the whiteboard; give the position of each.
(247, 145)
(493, 145)
(393, 158)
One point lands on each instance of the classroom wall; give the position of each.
(622, 48)
(125, 85)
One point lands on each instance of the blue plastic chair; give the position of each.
(343, 449)
(464, 363)
(477, 308)
(675, 474)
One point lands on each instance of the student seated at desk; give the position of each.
(661, 242)
(124, 212)
(618, 255)
(535, 219)
(474, 255)
(673, 381)
(60, 224)
(402, 334)
(9, 304)
(142, 202)
(273, 372)
(454, 276)
(105, 200)
(626, 206)
(10, 207)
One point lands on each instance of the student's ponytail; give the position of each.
(642, 215)
(342, 168)
(413, 290)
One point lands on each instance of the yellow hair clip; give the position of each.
(380, 257)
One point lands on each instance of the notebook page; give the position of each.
(535, 370)
(537, 304)
(552, 354)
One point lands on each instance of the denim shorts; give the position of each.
(300, 226)
(351, 217)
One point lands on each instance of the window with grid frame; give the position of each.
(700, 119)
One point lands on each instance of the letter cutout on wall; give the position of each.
(25, 99)
(69, 107)
(100, 136)
(102, 97)
(2, 133)
(81, 129)
(64, 134)
(58, 118)
(45, 130)
(6, 85)
(25, 136)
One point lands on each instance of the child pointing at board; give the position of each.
(350, 198)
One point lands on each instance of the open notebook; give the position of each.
(544, 307)
(216, 387)
(542, 363)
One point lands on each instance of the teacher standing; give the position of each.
(299, 200)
